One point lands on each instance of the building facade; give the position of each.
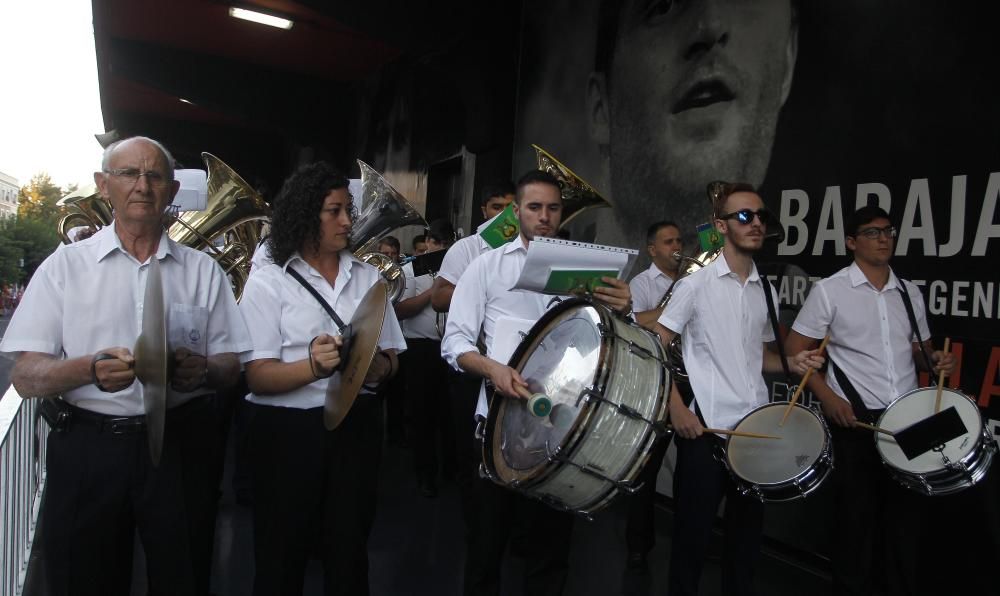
(8, 195)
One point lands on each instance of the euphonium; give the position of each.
(577, 194)
(85, 208)
(382, 210)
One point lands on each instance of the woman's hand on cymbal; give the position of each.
(324, 354)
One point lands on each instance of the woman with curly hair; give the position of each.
(311, 487)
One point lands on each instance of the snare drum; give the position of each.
(607, 383)
(953, 466)
(784, 469)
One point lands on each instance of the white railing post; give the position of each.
(23, 437)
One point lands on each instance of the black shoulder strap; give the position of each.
(326, 306)
(773, 315)
(861, 411)
(913, 322)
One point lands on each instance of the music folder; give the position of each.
(563, 267)
(933, 431)
(429, 262)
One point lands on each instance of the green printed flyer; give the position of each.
(709, 237)
(502, 229)
(576, 281)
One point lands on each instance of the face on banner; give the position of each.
(691, 92)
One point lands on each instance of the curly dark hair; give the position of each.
(295, 216)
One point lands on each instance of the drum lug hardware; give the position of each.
(798, 487)
(604, 332)
(480, 428)
(639, 350)
(661, 430)
(632, 488)
(626, 410)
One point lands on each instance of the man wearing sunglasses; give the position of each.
(874, 355)
(722, 312)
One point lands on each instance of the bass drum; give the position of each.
(949, 468)
(607, 382)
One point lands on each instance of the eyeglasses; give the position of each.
(874, 233)
(132, 175)
(745, 216)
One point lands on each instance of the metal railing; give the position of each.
(23, 436)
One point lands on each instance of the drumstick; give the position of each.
(874, 428)
(802, 385)
(539, 404)
(736, 433)
(940, 386)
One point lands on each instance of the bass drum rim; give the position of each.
(572, 438)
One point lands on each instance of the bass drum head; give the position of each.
(560, 360)
(917, 405)
(775, 461)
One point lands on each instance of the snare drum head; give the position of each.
(774, 461)
(917, 405)
(560, 361)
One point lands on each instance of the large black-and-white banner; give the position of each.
(825, 106)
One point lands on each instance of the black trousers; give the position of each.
(100, 488)
(497, 518)
(640, 530)
(314, 490)
(202, 437)
(427, 392)
(877, 525)
(700, 483)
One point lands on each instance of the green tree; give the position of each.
(37, 200)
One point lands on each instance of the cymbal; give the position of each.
(151, 360)
(365, 329)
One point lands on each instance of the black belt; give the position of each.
(126, 425)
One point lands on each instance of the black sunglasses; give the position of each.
(745, 216)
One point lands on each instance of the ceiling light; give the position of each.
(259, 17)
(187, 101)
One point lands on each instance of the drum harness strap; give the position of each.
(773, 315)
(860, 410)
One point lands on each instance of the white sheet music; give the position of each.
(546, 255)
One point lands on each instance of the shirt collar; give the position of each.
(858, 278)
(656, 271)
(108, 241)
(514, 245)
(347, 261)
(722, 268)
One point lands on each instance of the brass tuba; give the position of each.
(577, 195)
(382, 210)
(229, 228)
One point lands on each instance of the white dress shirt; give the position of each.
(88, 296)
(261, 257)
(725, 325)
(283, 317)
(648, 288)
(422, 325)
(460, 255)
(871, 338)
(482, 296)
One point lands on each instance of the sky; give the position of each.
(49, 99)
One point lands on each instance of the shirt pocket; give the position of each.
(188, 328)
